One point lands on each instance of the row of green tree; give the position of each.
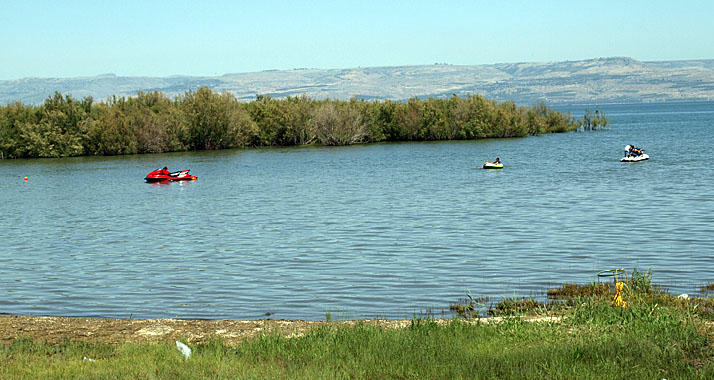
(203, 119)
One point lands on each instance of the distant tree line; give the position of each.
(203, 119)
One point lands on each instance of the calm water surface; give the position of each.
(385, 230)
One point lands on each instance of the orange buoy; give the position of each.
(25, 178)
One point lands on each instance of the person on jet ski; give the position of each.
(632, 151)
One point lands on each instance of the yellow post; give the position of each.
(618, 301)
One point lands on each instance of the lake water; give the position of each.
(384, 230)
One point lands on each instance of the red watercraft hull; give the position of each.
(163, 175)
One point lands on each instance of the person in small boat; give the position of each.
(498, 161)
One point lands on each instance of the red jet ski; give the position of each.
(164, 175)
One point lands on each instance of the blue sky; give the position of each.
(160, 38)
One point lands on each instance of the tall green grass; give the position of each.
(657, 336)
(595, 342)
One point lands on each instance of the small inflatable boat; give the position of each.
(164, 175)
(492, 165)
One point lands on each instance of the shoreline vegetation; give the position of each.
(586, 334)
(203, 119)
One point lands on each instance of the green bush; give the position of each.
(203, 119)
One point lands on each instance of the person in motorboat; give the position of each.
(634, 154)
(632, 151)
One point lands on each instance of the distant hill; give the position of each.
(593, 81)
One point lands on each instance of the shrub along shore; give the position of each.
(650, 335)
(151, 122)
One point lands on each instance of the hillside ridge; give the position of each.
(598, 80)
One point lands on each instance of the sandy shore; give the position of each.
(54, 330)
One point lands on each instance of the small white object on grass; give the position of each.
(185, 350)
(683, 296)
(86, 359)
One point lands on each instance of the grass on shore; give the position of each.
(656, 336)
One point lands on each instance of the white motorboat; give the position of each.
(633, 154)
(642, 157)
